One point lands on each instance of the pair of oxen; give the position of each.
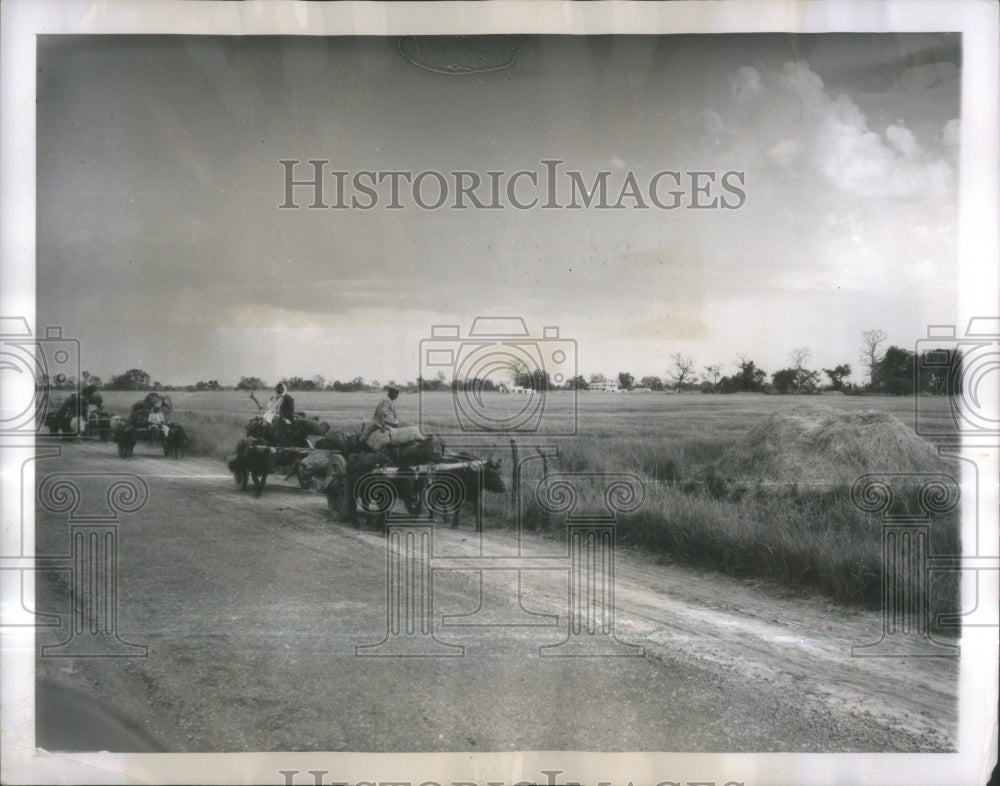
(125, 431)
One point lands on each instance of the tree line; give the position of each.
(895, 371)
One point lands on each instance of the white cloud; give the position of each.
(795, 120)
(901, 138)
(745, 83)
(785, 152)
(712, 122)
(951, 135)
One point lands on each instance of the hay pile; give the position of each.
(823, 448)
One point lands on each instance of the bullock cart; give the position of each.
(313, 468)
(433, 487)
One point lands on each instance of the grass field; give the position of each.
(799, 537)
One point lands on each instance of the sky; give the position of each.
(161, 244)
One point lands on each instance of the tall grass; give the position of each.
(212, 434)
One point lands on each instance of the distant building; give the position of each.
(607, 386)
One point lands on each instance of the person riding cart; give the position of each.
(158, 421)
(279, 413)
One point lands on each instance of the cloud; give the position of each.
(951, 135)
(785, 152)
(712, 122)
(926, 76)
(901, 138)
(745, 83)
(793, 119)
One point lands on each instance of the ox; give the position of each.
(467, 484)
(358, 465)
(124, 436)
(176, 441)
(253, 460)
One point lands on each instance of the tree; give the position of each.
(91, 379)
(894, 372)
(298, 383)
(940, 372)
(439, 383)
(837, 375)
(250, 383)
(356, 384)
(133, 379)
(712, 374)
(683, 370)
(870, 340)
(797, 379)
(625, 380)
(748, 379)
(784, 380)
(577, 383)
(799, 357)
(536, 380)
(653, 383)
(598, 378)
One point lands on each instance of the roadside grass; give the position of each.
(795, 536)
(212, 434)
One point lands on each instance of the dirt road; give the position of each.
(252, 608)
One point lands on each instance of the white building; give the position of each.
(607, 386)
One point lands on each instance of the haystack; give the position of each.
(821, 448)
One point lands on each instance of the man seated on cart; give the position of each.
(157, 421)
(280, 412)
(385, 412)
(384, 420)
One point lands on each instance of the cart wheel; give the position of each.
(304, 480)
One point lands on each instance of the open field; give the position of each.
(807, 537)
